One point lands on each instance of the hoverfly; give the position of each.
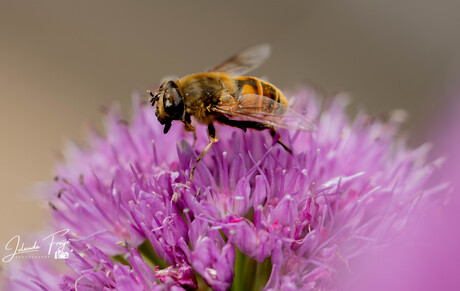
(224, 94)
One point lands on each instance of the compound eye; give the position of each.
(172, 103)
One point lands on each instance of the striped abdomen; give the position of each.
(274, 101)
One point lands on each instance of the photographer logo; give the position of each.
(54, 244)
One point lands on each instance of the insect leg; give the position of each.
(188, 123)
(212, 140)
(277, 136)
(244, 125)
(188, 127)
(186, 119)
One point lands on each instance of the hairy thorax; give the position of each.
(201, 91)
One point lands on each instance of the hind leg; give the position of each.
(244, 125)
(278, 136)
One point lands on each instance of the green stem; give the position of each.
(148, 253)
(250, 274)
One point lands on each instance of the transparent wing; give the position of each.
(264, 110)
(245, 60)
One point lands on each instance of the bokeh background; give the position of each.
(60, 61)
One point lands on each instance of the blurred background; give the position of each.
(60, 61)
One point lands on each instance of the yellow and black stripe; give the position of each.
(255, 86)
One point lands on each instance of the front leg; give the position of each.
(188, 127)
(187, 120)
(212, 140)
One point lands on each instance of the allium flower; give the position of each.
(427, 256)
(254, 216)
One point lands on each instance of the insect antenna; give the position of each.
(153, 98)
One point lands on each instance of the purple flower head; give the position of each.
(255, 216)
(427, 256)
